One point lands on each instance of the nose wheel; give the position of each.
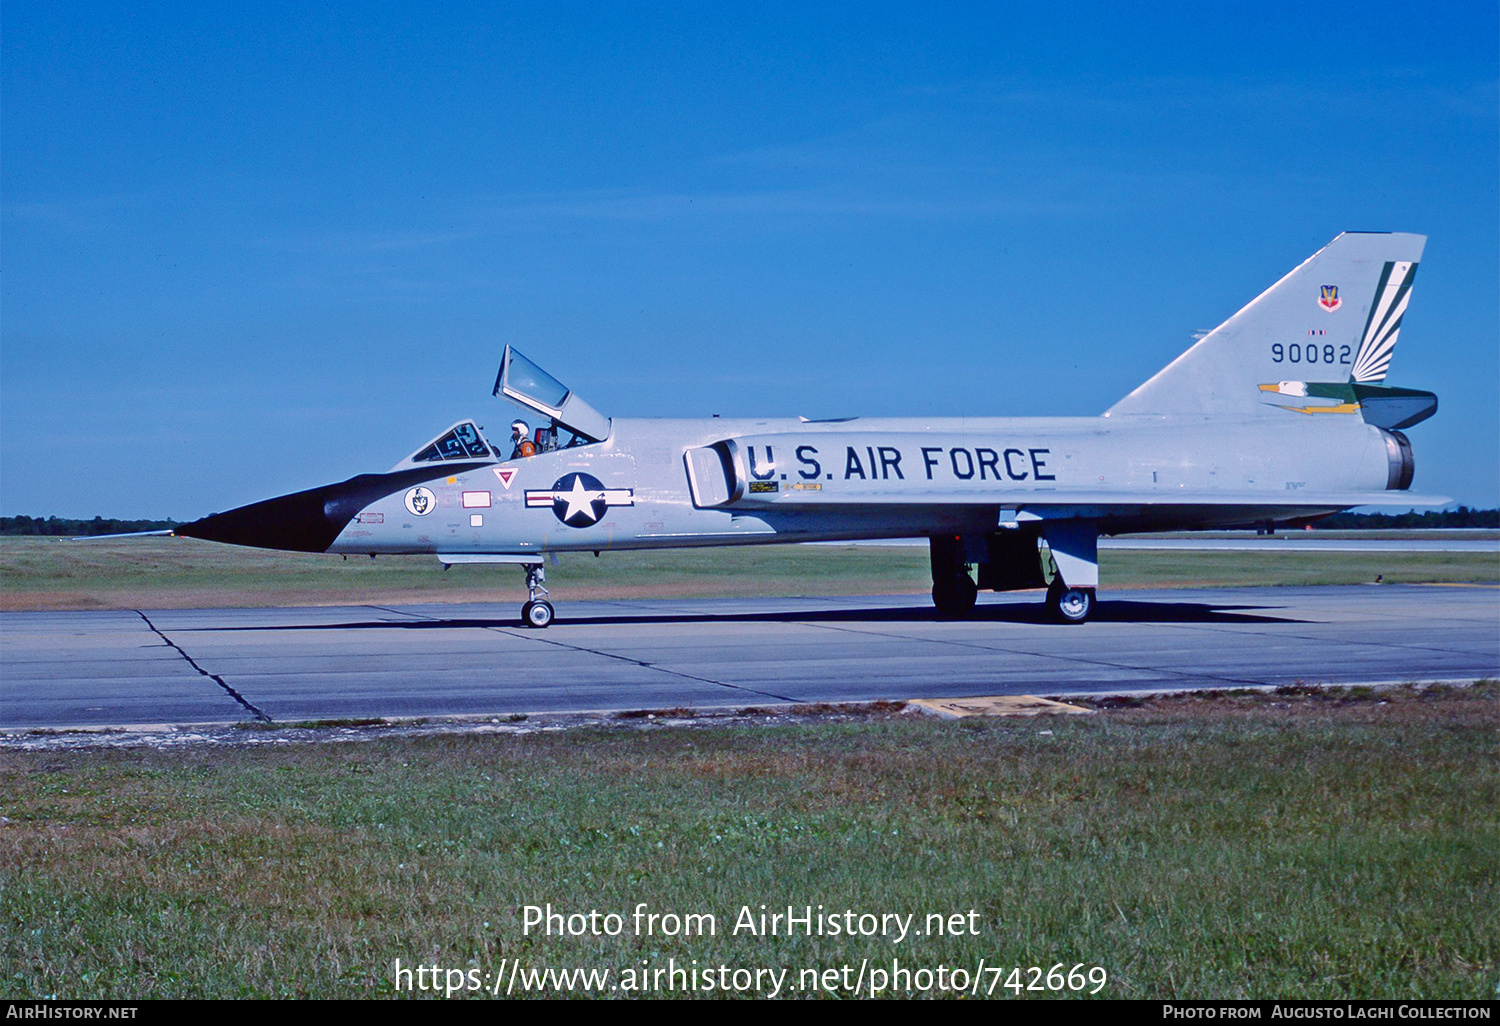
(537, 612)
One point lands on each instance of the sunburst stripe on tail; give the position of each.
(1384, 323)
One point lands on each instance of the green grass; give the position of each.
(40, 573)
(1300, 847)
(1249, 569)
(157, 572)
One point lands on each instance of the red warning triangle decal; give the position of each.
(506, 476)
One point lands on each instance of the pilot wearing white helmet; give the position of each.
(520, 434)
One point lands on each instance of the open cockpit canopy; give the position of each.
(523, 382)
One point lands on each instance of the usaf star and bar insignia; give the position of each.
(579, 500)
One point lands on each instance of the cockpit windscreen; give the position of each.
(462, 443)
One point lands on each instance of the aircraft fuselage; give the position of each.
(868, 479)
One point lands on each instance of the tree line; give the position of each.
(1463, 516)
(63, 527)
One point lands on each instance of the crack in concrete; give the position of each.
(527, 636)
(1186, 675)
(1397, 645)
(644, 665)
(211, 676)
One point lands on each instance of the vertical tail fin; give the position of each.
(1331, 322)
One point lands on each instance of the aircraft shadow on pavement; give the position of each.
(1116, 611)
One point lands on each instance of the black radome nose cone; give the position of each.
(310, 521)
(297, 522)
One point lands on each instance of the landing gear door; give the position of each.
(524, 382)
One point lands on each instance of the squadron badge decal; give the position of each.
(421, 501)
(579, 500)
(1329, 299)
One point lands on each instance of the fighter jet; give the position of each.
(1278, 416)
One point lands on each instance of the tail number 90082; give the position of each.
(1295, 352)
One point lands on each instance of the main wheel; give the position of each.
(954, 596)
(1069, 605)
(537, 614)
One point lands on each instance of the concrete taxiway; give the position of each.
(76, 669)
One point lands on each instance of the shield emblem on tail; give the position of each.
(1330, 300)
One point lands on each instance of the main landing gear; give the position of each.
(1069, 605)
(1011, 559)
(537, 612)
(1074, 544)
(954, 594)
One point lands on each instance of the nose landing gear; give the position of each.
(537, 612)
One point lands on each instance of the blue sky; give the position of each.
(250, 251)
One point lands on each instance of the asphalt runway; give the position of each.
(74, 669)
